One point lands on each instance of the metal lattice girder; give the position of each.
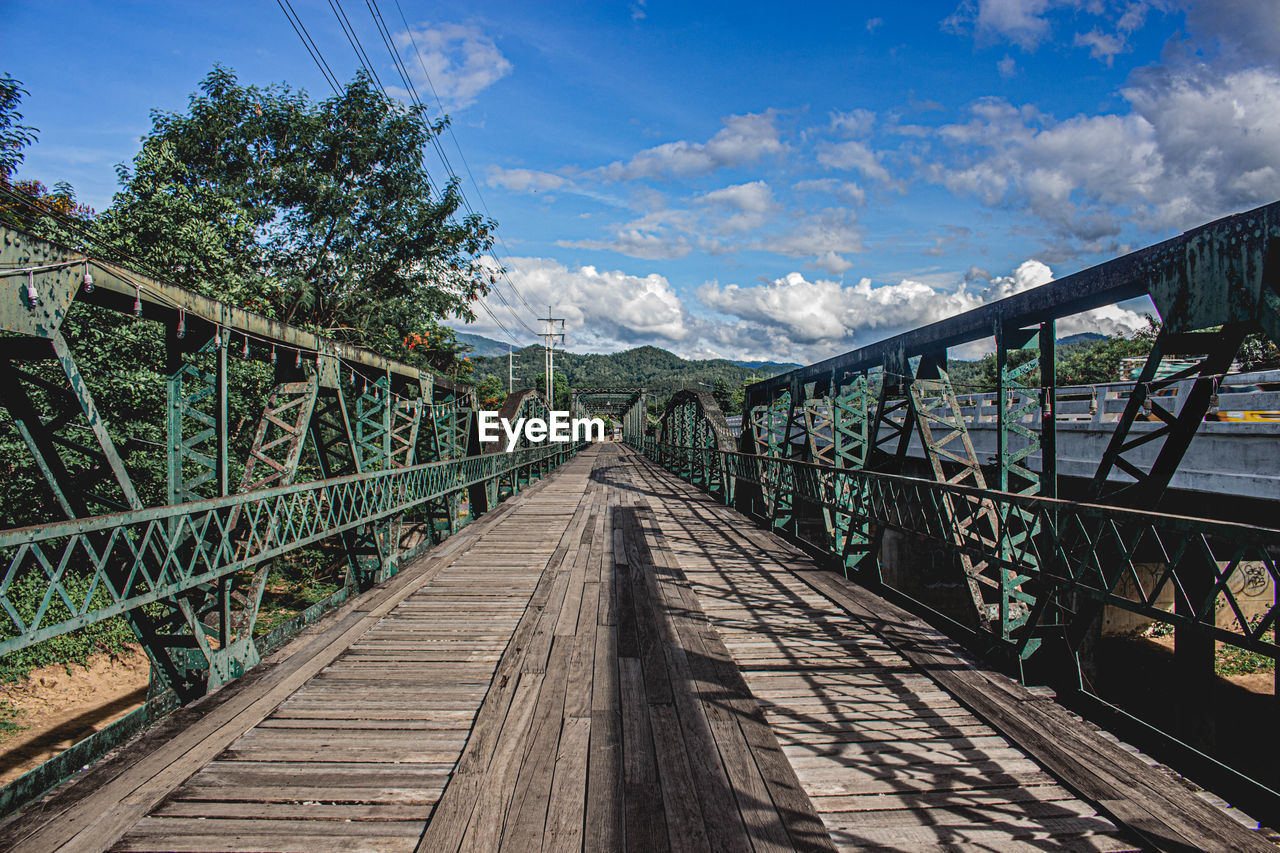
(85, 477)
(1215, 351)
(373, 425)
(277, 445)
(195, 424)
(838, 427)
(693, 427)
(406, 417)
(1020, 404)
(135, 559)
(1222, 273)
(951, 456)
(770, 427)
(1102, 553)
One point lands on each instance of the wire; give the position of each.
(354, 40)
(444, 158)
(309, 44)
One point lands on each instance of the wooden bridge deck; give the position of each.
(612, 661)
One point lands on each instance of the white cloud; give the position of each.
(854, 123)
(1023, 22)
(824, 235)
(1196, 145)
(858, 157)
(1007, 67)
(846, 191)
(744, 139)
(1103, 46)
(790, 318)
(825, 317)
(748, 207)
(460, 59)
(604, 310)
(524, 180)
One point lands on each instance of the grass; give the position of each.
(9, 720)
(110, 635)
(1229, 660)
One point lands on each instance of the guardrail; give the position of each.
(127, 560)
(1044, 567)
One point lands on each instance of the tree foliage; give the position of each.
(320, 214)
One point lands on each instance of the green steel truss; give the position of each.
(389, 446)
(693, 420)
(838, 430)
(1102, 553)
(137, 557)
(770, 432)
(629, 406)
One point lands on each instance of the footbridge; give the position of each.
(687, 640)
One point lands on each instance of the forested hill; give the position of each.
(648, 367)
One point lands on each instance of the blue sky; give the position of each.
(782, 181)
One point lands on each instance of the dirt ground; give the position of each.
(57, 708)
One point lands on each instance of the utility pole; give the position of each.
(510, 372)
(549, 363)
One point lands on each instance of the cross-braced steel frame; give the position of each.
(348, 446)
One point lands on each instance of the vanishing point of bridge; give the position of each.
(680, 641)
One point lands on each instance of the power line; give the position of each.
(467, 166)
(354, 40)
(308, 43)
(385, 33)
(362, 58)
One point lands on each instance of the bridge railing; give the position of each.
(124, 561)
(1183, 572)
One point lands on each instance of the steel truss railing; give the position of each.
(1067, 551)
(140, 557)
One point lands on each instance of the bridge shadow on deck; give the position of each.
(615, 663)
(889, 760)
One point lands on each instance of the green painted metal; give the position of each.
(133, 555)
(1018, 406)
(838, 430)
(769, 431)
(190, 575)
(1072, 552)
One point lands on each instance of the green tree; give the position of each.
(37, 208)
(491, 392)
(1100, 361)
(320, 214)
(560, 400)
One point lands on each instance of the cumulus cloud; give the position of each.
(1195, 145)
(855, 156)
(742, 207)
(604, 310)
(824, 235)
(743, 139)
(1236, 33)
(789, 318)
(460, 59)
(1023, 22)
(846, 191)
(810, 320)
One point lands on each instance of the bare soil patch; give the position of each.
(59, 705)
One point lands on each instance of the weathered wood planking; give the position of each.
(614, 662)
(617, 721)
(879, 713)
(345, 738)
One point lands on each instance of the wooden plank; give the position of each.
(646, 826)
(605, 820)
(566, 807)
